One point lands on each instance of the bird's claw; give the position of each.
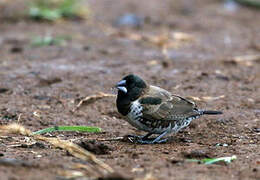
(133, 138)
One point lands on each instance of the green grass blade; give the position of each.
(68, 128)
(52, 11)
(250, 3)
(193, 160)
(214, 160)
(48, 40)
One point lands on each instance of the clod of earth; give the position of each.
(95, 147)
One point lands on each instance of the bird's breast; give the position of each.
(134, 116)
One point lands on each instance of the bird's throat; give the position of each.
(123, 105)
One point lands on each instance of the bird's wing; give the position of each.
(161, 105)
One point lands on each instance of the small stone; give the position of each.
(130, 20)
(16, 49)
(4, 90)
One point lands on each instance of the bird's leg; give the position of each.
(156, 140)
(146, 136)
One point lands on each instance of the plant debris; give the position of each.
(72, 148)
(92, 99)
(246, 60)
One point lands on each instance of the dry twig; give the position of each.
(92, 98)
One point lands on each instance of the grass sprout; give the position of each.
(250, 3)
(214, 160)
(52, 10)
(49, 40)
(68, 128)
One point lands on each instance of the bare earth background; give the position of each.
(43, 84)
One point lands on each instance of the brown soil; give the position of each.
(42, 85)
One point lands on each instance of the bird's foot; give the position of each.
(145, 140)
(151, 141)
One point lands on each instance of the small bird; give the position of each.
(153, 109)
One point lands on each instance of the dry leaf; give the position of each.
(152, 62)
(163, 40)
(181, 36)
(246, 60)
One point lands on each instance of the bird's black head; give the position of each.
(129, 88)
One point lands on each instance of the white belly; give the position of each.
(133, 117)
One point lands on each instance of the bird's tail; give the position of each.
(209, 112)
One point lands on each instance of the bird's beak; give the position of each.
(121, 86)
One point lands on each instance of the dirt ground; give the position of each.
(41, 86)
